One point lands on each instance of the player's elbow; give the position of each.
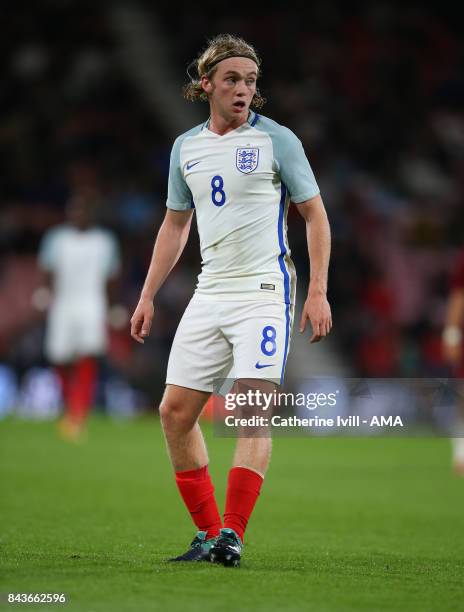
(313, 210)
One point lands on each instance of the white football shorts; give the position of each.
(75, 330)
(230, 339)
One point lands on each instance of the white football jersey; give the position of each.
(240, 185)
(81, 262)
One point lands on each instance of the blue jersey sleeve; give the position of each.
(179, 194)
(293, 166)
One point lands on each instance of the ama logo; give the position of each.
(386, 421)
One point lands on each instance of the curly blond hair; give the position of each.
(219, 48)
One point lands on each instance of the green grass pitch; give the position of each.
(342, 524)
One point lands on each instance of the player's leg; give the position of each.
(251, 461)
(76, 336)
(60, 346)
(78, 383)
(245, 478)
(64, 372)
(253, 452)
(260, 337)
(180, 410)
(82, 386)
(198, 355)
(90, 344)
(66, 427)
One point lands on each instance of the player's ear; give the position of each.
(206, 85)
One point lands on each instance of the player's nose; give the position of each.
(241, 88)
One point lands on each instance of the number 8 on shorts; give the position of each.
(269, 340)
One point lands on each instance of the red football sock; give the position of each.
(197, 491)
(64, 374)
(82, 388)
(243, 488)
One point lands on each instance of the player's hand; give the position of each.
(452, 353)
(317, 310)
(141, 320)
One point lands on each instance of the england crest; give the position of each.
(247, 160)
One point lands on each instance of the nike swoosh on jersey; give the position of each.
(192, 164)
(260, 366)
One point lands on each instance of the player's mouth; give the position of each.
(239, 106)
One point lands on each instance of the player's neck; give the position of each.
(222, 125)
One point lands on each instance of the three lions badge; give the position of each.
(247, 159)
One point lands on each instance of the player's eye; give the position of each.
(251, 82)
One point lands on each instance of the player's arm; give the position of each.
(452, 332)
(46, 280)
(47, 259)
(316, 308)
(298, 177)
(452, 338)
(170, 242)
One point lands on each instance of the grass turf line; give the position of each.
(342, 524)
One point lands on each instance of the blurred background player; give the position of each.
(79, 259)
(453, 353)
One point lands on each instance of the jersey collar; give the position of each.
(251, 120)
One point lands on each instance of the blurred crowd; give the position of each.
(375, 93)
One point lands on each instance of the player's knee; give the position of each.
(174, 416)
(167, 411)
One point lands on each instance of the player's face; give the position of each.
(232, 87)
(79, 212)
